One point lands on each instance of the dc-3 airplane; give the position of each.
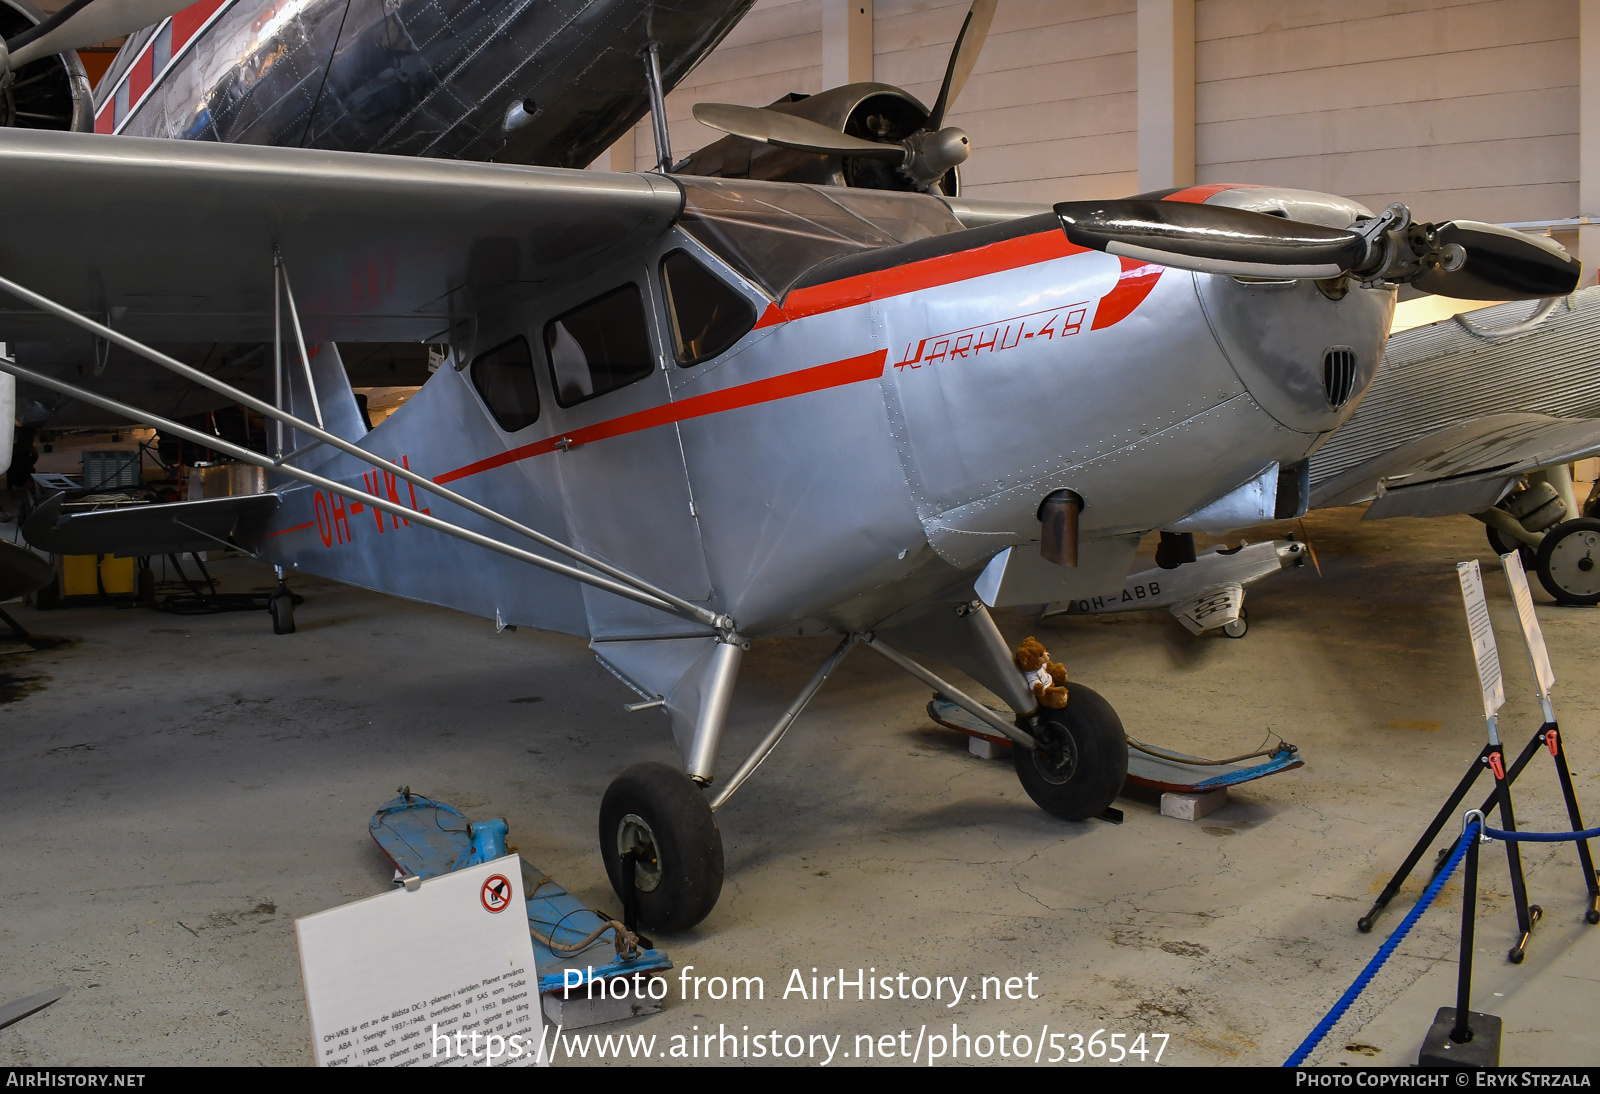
(684, 412)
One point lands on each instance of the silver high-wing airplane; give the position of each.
(682, 413)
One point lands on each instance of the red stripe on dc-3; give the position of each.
(929, 273)
(820, 378)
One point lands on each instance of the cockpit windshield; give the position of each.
(773, 233)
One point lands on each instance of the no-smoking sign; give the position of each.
(496, 893)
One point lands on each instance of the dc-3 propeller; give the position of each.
(924, 157)
(1457, 258)
(79, 24)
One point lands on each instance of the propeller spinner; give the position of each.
(924, 157)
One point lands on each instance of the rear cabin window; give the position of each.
(504, 379)
(599, 346)
(706, 315)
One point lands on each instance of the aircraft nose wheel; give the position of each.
(660, 815)
(1569, 561)
(1081, 761)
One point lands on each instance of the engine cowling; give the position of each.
(50, 93)
(871, 111)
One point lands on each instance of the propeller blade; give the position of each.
(87, 24)
(1502, 264)
(969, 43)
(770, 127)
(1211, 238)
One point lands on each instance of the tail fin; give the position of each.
(341, 415)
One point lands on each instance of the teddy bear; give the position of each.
(1048, 678)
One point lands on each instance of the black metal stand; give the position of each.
(1461, 1032)
(1461, 1037)
(1558, 751)
(1479, 764)
(1492, 758)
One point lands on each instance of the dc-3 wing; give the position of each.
(1460, 410)
(174, 240)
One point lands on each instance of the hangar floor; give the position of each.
(175, 791)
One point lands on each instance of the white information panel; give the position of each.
(1532, 635)
(393, 979)
(1483, 648)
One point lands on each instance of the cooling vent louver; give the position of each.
(1339, 375)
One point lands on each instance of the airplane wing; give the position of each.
(174, 240)
(137, 530)
(1464, 468)
(1460, 411)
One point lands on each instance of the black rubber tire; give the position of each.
(1095, 751)
(1498, 543)
(1241, 626)
(688, 845)
(281, 607)
(1560, 540)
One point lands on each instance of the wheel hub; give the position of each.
(634, 834)
(1572, 563)
(1056, 757)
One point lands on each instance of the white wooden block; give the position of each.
(1192, 807)
(577, 1012)
(985, 749)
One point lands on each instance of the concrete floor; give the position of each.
(176, 791)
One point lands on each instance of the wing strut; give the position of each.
(616, 581)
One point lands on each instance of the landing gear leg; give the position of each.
(281, 607)
(658, 836)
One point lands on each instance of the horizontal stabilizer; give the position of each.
(138, 530)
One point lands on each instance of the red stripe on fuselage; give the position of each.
(837, 374)
(929, 273)
(286, 531)
(191, 19)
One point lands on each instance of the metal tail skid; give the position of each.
(609, 578)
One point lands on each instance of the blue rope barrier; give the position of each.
(1323, 1027)
(1540, 837)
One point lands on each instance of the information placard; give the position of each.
(1482, 630)
(442, 974)
(1532, 634)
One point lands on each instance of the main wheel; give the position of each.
(1504, 546)
(1077, 768)
(1237, 628)
(1569, 561)
(281, 606)
(661, 814)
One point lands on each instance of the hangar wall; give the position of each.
(1457, 107)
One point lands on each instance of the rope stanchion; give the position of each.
(1386, 950)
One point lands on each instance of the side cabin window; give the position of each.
(706, 315)
(504, 379)
(599, 346)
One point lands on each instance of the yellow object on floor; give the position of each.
(85, 575)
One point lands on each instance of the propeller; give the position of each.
(83, 23)
(1463, 259)
(924, 157)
